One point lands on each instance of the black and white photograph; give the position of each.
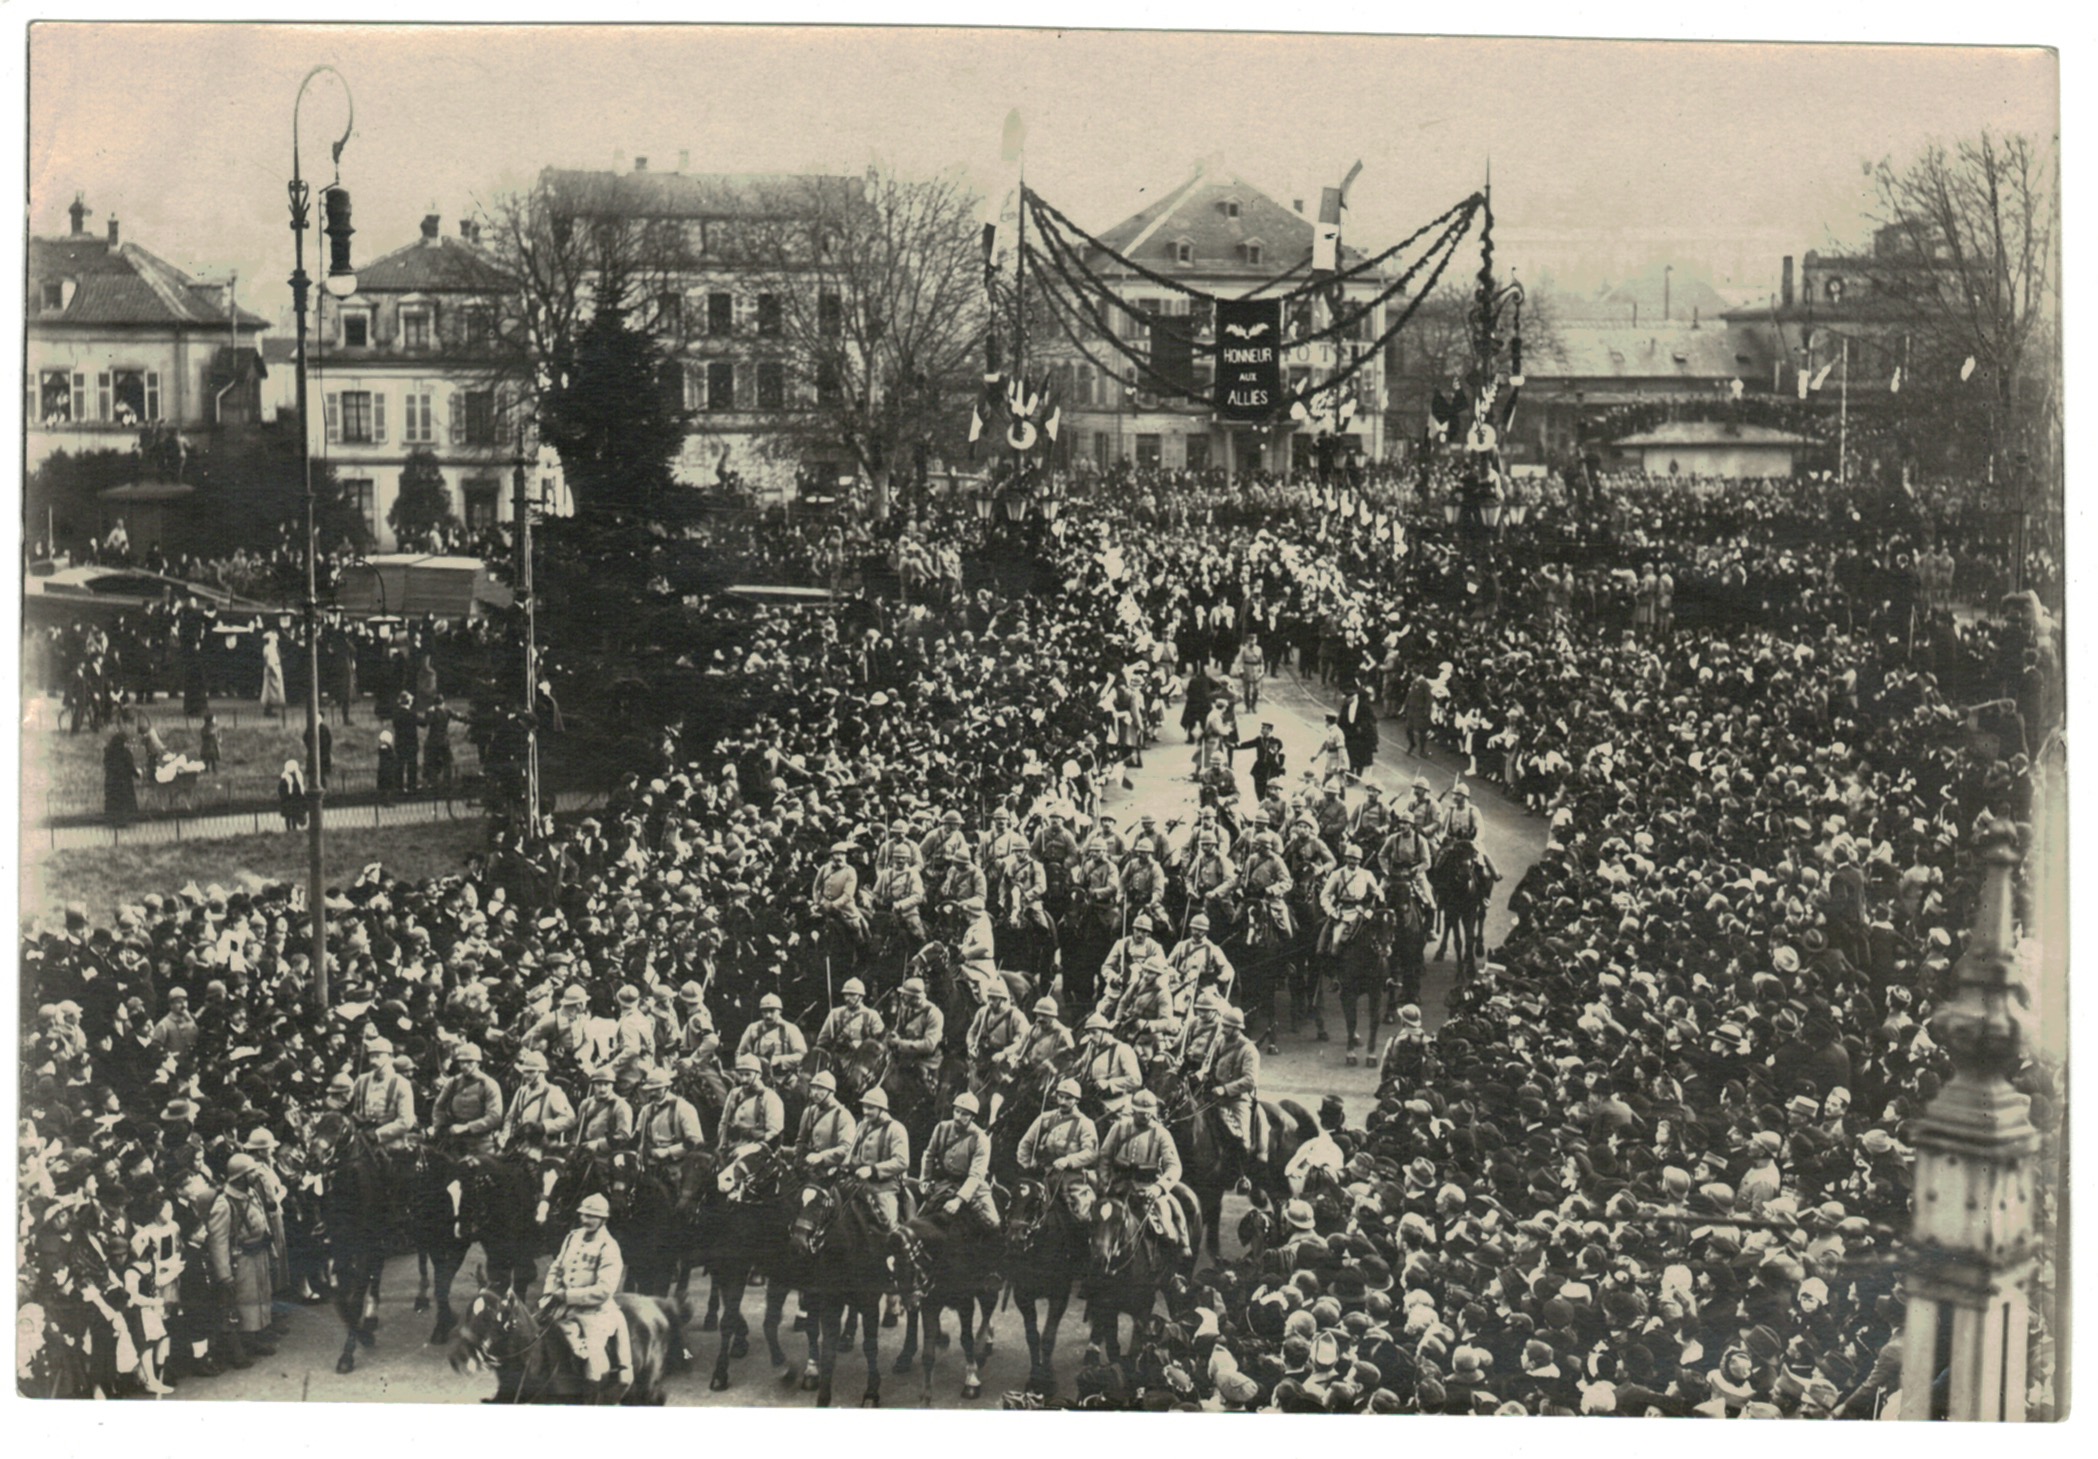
(985, 718)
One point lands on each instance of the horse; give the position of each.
(454, 1203)
(1128, 1263)
(961, 1267)
(533, 1362)
(1463, 887)
(834, 1261)
(360, 1217)
(1359, 966)
(1046, 1244)
(1261, 948)
(743, 1235)
(1410, 943)
(1086, 936)
(1304, 966)
(1212, 1159)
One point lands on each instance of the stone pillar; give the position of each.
(1971, 1252)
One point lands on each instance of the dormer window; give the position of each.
(415, 327)
(1251, 250)
(1183, 250)
(54, 295)
(356, 329)
(1229, 207)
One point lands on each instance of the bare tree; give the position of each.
(876, 296)
(1970, 267)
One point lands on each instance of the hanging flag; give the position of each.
(1894, 385)
(1054, 423)
(975, 424)
(1821, 375)
(1967, 369)
(1325, 238)
(1804, 384)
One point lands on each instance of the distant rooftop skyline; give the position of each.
(1607, 157)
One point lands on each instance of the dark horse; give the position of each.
(1262, 948)
(743, 1234)
(1128, 1264)
(961, 1263)
(1085, 937)
(1359, 963)
(360, 1219)
(454, 1203)
(837, 1261)
(1046, 1233)
(534, 1363)
(1214, 1160)
(1463, 887)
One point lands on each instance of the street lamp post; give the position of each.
(341, 281)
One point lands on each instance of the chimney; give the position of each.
(78, 213)
(430, 225)
(1635, 314)
(640, 164)
(1785, 285)
(114, 241)
(1297, 204)
(1695, 310)
(684, 159)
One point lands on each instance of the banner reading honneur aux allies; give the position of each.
(1249, 358)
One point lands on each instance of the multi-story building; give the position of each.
(410, 363)
(119, 339)
(1225, 238)
(709, 246)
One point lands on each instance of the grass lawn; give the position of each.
(62, 771)
(108, 877)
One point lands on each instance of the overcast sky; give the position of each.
(1604, 154)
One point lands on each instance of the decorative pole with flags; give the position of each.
(1013, 149)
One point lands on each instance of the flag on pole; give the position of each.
(1894, 385)
(1054, 423)
(1805, 384)
(1821, 375)
(1967, 369)
(1325, 240)
(975, 423)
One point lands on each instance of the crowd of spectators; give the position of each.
(1655, 1161)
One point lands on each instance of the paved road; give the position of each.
(405, 1369)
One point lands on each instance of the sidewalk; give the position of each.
(267, 822)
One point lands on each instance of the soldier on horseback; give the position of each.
(667, 1123)
(1231, 1078)
(468, 1109)
(880, 1157)
(1061, 1145)
(382, 1101)
(920, 1030)
(777, 1044)
(1110, 1070)
(1460, 827)
(956, 1170)
(1048, 1042)
(847, 1027)
(1404, 859)
(1153, 1008)
(899, 849)
(606, 1121)
(996, 1038)
(1422, 811)
(1144, 882)
(1199, 963)
(580, 1287)
(540, 1102)
(697, 1041)
(1141, 1161)
(564, 1034)
(1347, 899)
(825, 1140)
(835, 896)
(899, 892)
(1127, 960)
(752, 1120)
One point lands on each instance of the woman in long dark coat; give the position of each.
(119, 780)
